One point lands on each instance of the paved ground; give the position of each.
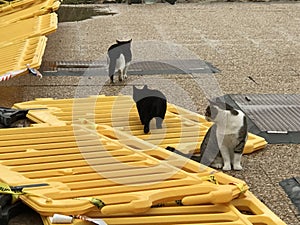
(260, 40)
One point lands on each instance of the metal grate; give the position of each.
(292, 188)
(77, 68)
(276, 117)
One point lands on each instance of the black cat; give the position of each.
(150, 104)
(119, 59)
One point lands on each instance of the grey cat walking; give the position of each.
(119, 59)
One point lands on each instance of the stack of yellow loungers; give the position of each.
(183, 129)
(23, 26)
(95, 161)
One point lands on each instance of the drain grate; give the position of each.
(70, 13)
(79, 68)
(272, 116)
(292, 188)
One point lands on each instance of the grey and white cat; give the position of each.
(19, 123)
(224, 142)
(119, 59)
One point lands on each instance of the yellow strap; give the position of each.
(241, 187)
(95, 201)
(210, 178)
(5, 189)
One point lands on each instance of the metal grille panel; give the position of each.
(276, 117)
(277, 113)
(194, 66)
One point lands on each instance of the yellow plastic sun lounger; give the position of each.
(81, 164)
(15, 56)
(182, 129)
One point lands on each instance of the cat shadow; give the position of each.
(117, 87)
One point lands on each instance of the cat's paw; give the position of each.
(125, 76)
(217, 165)
(111, 79)
(146, 129)
(226, 167)
(237, 167)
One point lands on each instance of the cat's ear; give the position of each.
(234, 112)
(145, 86)
(211, 102)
